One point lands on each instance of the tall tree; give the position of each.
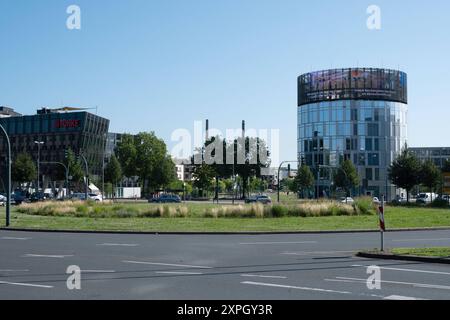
(446, 167)
(430, 175)
(145, 156)
(23, 169)
(126, 153)
(166, 174)
(304, 179)
(113, 172)
(76, 169)
(346, 177)
(203, 178)
(405, 171)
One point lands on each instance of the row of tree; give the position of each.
(406, 172)
(143, 155)
(345, 177)
(243, 159)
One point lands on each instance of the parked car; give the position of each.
(95, 197)
(18, 198)
(376, 200)
(259, 199)
(40, 196)
(78, 196)
(347, 200)
(2, 200)
(425, 198)
(166, 198)
(400, 199)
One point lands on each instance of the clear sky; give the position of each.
(160, 65)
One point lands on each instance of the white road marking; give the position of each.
(97, 271)
(14, 238)
(12, 270)
(166, 264)
(395, 297)
(419, 285)
(26, 284)
(29, 255)
(179, 273)
(263, 243)
(293, 287)
(261, 276)
(412, 240)
(118, 244)
(406, 270)
(306, 253)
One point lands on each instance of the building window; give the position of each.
(374, 159)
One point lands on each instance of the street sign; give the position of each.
(382, 222)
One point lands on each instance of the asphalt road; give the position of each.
(191, 267)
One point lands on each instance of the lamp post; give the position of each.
(8, 178)
(67, 172)
(278, 179)
(87, 176)
(39, 143)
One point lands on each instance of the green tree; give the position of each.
(126, 153)
(203, 178)
(166, 174)
(23, 169)
(446, 167)
(304, 179)
(145, 156)
(346, 177)
(113, 172)
(76, 170)
(430, 176)
(405, 171)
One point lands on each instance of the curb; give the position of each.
(222, 233)
(402, 257)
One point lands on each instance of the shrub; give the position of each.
(279, 211)
(439, 203)
(364, 206)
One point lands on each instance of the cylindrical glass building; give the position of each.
(358, 114)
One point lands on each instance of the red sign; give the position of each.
(67, 123)
(381, 216)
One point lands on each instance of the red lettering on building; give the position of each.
(67, 124)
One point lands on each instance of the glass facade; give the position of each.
(370, 133)
(78, 131)
(439, 156)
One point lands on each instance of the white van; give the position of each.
(426, 197)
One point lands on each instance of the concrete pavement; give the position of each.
(192, 267)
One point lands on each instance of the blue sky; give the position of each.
(161, 65)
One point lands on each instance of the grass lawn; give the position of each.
(440, 252)
(396, 217)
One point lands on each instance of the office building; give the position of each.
(359, 114)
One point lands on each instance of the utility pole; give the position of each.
(86, 190)
(8, 178)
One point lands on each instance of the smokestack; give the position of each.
(243, 129)
(207, 129)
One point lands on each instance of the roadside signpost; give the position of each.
(382, 222)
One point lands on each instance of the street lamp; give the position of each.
(278, 177)
(8, 178)
(39, 143)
